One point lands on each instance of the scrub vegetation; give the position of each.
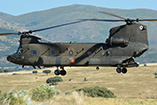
(137, 87)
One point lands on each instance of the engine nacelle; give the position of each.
(117, 41)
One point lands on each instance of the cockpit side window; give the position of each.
(19, 50)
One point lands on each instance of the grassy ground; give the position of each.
(101, 101)
(138, 86)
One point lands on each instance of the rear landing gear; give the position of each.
(60, 72)
(63, 72)
(119, 70)
(123, 70)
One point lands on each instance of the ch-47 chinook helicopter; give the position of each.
(124, 43)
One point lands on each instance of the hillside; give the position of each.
(81, 32)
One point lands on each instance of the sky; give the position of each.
(19, 7)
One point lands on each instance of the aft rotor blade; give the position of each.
(1, 34)
(113, 15)
(127, 20)
(147, 19)
(57, 26)
(105, 20)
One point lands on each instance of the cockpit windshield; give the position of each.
(19, 50)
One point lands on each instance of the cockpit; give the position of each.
(16, 57)
(19, 50)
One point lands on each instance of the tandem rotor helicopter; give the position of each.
(124, 43)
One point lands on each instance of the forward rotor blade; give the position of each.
(28, 32)
(113, 15)
(1, 34)
(57, 26)
(127, 20)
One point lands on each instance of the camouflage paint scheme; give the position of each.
(124, 44)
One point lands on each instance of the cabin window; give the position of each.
(53, 52)
(34, 52)
(19, 50)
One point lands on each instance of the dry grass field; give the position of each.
(138, 86)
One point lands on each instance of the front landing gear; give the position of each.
(123, 70)
(119, 70)
(57, 72)
(60, 72)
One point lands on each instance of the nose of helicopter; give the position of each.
(9, 58)
(14, 58)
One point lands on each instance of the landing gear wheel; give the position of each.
(124, 70)
(119, 70)
(63, 72)
(57, 72)
(60, 72)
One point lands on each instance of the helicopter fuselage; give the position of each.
(75, 54)
(125, 43)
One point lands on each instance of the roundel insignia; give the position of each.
(72, 60)
(71, 52)
(89, 53)
(141, 27)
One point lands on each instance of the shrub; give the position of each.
(97, 92)
(20, 98)
(43, 92)
(74, 86)
(145, 65)
(34, 72)
(26, 97)
(15, 74)
(1, 70)
(155, 73)
(47, 71)
(6, 70)
(70, 80)
(53, 80)
(1, 97)
(85, 79)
